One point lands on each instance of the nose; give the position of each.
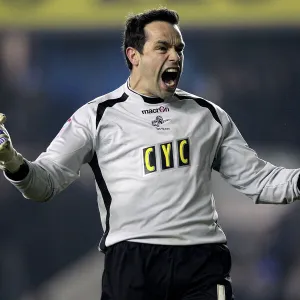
(174, 55)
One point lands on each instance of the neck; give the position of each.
(136, 84)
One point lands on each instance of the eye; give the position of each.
(162, 48)
(179, 51)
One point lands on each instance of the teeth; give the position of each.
(172, 70)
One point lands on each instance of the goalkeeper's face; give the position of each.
(156, 71)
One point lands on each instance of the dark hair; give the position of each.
(134, 34)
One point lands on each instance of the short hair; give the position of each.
(134, 33)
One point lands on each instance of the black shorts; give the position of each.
(135, 271)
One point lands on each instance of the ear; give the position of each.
(133, 55)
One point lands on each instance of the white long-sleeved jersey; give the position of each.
(152, 162)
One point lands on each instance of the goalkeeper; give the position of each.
(162, 239)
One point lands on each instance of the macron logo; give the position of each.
(160, 109)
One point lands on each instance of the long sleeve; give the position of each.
(240, 166)
(60, 165)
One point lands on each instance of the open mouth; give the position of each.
(170, 77)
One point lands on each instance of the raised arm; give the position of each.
(54, 169)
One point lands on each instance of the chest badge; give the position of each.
(158, 122)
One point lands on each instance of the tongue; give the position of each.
(170, 82)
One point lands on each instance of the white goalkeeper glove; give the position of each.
(10, 159)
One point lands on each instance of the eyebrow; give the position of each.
(181, 45)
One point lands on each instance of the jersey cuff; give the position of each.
(20, 174)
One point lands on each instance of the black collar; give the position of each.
(150, 100)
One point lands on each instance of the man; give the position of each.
(152, 148)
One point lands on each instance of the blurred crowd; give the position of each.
(253, 74)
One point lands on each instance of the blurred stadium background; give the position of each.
(55, 55)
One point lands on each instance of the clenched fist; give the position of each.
(9, 158)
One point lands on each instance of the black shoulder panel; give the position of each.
(108, 103)
(202, 102)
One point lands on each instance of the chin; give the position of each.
(167, 94)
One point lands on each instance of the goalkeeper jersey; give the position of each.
(153, 162)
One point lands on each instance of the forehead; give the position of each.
(158, 30)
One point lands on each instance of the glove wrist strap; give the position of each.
(14, 164)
